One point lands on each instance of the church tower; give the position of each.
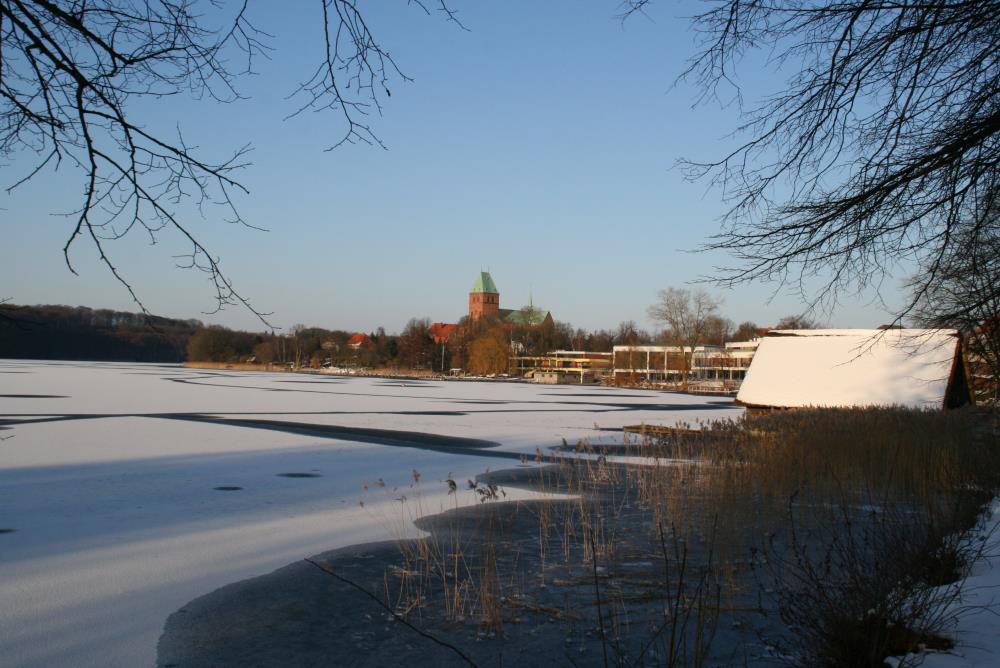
(484, 300)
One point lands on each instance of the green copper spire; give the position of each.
(484, 283)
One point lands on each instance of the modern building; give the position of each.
(563, 366)
(648, 364)
(712, 368)
(724, 366)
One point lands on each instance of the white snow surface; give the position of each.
(851, 367)
(977, 633)
(117, 523)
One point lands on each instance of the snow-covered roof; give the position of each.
(852, 367)
(867, 333)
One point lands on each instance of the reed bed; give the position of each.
(865, 514)
(815, 537)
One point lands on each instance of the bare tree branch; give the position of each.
(69, 70)
(688, 316)
(964, 295)
(883, 141)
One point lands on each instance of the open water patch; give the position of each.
(228, 488)
(2, 530)
(300, 615)
(33, 396)
(296, 474)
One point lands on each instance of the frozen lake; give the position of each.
(111, 512)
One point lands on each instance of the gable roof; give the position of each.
(442, 331)
(484, 283)
(917, 368)
(360, 339)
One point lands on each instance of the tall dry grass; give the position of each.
(944, 463)
(571, 560)
(849, 523)
(866, 513)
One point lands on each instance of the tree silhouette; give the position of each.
(881, 147)
(688, 317)
(71, 71)
(966, 297)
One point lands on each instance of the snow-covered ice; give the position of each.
(110, 484)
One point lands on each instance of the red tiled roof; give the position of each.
(442, 331)
(359, 340)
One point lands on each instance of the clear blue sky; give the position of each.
(538, 145)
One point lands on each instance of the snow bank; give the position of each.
(977, 637)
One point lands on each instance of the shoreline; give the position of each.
(545, 611)
(400, 374)
(342, 372)
(133, 501)
(544, 607)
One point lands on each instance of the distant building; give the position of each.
(917, 368)
(484, 302)
(726, 365)
(712, 368)
(563, 366)
(648, 364)
(359, 341)
(983, 347)
(441, 332)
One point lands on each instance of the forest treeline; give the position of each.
(52, 332)
(479, 347)
(81, 333)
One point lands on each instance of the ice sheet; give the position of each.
(110, 485)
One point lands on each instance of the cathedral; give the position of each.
(484, 302)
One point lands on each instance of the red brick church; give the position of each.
(484, 302)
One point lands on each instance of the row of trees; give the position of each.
(62, 332)
(301, 347)
(81, 333)
(482, 346)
